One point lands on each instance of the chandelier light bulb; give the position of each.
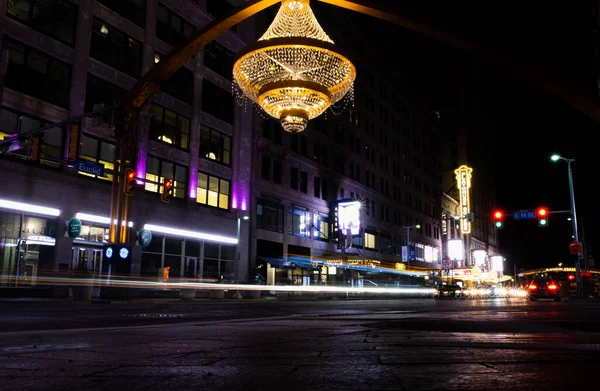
(294, 72)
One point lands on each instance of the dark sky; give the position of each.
(524, 124)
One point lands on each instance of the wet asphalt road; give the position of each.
(411, 344)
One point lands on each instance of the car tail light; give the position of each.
(532, 286)
(552, 287)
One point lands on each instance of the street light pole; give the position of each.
(555, 158)
(575, 230)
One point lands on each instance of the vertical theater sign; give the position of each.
(463, 182)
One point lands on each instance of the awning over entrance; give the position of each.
(290, 263)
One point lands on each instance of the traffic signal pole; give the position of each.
(575, 231)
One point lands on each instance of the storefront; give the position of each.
(27, 242)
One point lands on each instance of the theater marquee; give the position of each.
(463, 182)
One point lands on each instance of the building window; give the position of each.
(294, 178)
(277, 167)
(269, 215)
(36, 74)
(217, 101)
(180, 85)
(213, 191)
(370, 241)
(171, 27)
(215, 145)
(51, 141)
(157, 170)
(265, 167)
(57, 19)
(115, 48)
(99, 91)
(317, 187)
(219, 8)
(134, 10)
(100, 152)
(298, 221)
(219, 59)
(321, 227)
(168, 127)
(303, 182)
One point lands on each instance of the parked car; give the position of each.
(545, 288)
(448, 291)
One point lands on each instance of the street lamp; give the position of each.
(556, 158)
(408, 227)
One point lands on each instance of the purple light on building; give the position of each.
(140, 169)
(193, 184)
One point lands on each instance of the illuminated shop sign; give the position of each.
(463, 179)
(349, 217)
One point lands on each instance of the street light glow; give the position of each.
(555, 157)
(418, 226)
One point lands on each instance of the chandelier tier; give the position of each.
(294, 72)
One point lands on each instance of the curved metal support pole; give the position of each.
(565, 91)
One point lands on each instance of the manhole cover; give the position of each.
(154, 316)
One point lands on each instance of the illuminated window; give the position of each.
(115, 48)
(98, 151)
(299, 221)
(168, 127)
(157, 170)
(321, 227)
(370, 241)
(215, 145)
(213, 191)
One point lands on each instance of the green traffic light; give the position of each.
(543, 222)
(498, 224)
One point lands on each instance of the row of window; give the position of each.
(300, 222)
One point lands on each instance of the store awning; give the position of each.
(290, 263)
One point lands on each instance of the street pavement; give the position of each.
(411, 344)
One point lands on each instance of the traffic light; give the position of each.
(129, 181)
(498, 217)
(542, 216)
(167, 190)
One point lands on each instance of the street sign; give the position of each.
(144, 237)
(74, 228)
(524, 215)
(90, 167)
(574, 248)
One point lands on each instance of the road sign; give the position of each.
(524, 215)
(90, 167)
(74, 228)
(144, 238)
(574, 248)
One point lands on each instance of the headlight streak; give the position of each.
(127, 283)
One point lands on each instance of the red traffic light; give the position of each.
(498, 214)
(542, 212)
(169, 184)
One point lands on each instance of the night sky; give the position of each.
(524, 125)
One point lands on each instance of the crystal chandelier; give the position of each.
(294, 72)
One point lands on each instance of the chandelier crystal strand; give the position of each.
(293, 72)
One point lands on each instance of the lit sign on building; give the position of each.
(455, 250)
(349, 217)
(463, 179)
(497, 264)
